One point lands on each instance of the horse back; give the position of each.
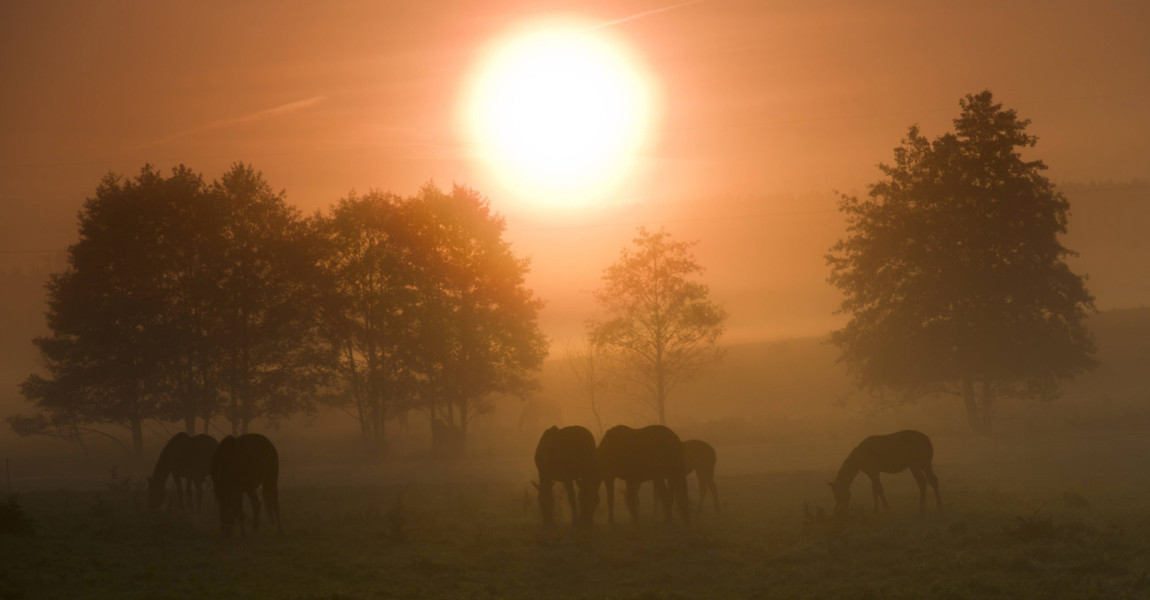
(653, 452)
(244, 463)
(698, 456)
(566, 454)
(895, 452)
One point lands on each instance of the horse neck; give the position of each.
(848, 470)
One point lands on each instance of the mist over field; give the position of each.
(598, 299)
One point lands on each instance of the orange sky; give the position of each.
(767, 107)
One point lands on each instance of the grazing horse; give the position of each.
(240, 465)
(649, 454)
(887, 454)
(699, 456)
(568, 455)
(189, 461)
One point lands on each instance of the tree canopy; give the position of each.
(954, 274)
(661, 324)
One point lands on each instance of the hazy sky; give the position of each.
(766, 107)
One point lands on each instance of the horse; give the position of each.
(568, 455)
(699, 457)
(652, 453)
(891, 453)
(239, 466)
(188, 460)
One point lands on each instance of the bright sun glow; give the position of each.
(560, 113)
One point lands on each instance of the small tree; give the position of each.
(592, 374)
(661, 325)
(953, 272)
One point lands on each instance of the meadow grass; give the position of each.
(1027, 525)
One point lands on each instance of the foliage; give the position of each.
(426, 306)
(479, 336)
(953, 272)
(661, 325)
(175, 294)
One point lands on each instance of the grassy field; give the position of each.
(1065, 517)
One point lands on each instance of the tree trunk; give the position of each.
(138, 436)
(987, 415)
(972, 416)
(190, 422)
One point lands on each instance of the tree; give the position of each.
(372, 305)
(592, 376)
(107, 347)
(953, 272)
(662, 326)
(265, 305)
(175, 294)
(477, 321)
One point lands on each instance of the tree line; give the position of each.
(190, 301)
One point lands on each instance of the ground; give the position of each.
(1057, 517)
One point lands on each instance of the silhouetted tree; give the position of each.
(593, 376)
(373, 304)
(662, 326)
(106, 348)
(265, 302)
(478, 330)
(175, 294)
(953, 272)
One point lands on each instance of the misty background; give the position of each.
(767, 110)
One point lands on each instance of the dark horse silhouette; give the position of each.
(240, 465)
(568, 455)
(699, 456)
(189, 461)
(649, 454)
(887, 454)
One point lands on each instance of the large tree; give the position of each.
(661, 324)
(265, 303)
(372, 306)
(178, 295)
(106, 312)
(478, 322)
(954, 274)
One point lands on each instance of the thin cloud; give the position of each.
(261, 115)
(646, 13)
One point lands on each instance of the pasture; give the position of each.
(1064, 516)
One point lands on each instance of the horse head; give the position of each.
(842, 493)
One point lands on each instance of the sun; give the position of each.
(559, 112)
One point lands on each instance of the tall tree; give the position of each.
(478, 321)
(954, 274)
(661, 324)
(265, 302)
(372, 307)
(105, 311)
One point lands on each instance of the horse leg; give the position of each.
(255, 509)
(179, 491)
(272, 499)
(663, 495)
(714, 493)
(610, 483)
(930, 477)
(876, 491)
(633, 498)
(199, 494)
(570, 485)
(920, 479)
